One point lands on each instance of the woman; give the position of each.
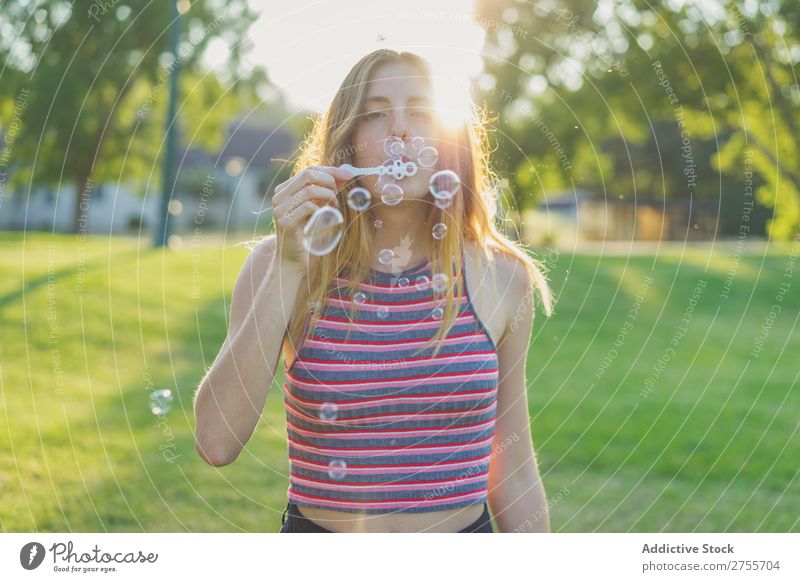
(405, 384)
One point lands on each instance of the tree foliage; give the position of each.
(93, 79)
(672, 99)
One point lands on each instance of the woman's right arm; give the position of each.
(232, 395)
(233, 392)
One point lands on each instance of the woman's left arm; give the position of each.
(516, 494)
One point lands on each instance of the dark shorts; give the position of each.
(295, 522)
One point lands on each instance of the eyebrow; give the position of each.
(381, 99)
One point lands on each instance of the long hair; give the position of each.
(470, 217)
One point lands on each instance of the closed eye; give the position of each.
(375, 114)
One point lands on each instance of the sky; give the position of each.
(308, 46)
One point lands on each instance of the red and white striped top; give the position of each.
(373, 426)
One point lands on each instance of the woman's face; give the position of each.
(398, 103)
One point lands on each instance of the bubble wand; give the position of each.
(395, 168)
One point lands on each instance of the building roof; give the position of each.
(255, 143)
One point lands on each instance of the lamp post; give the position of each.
(168, 178)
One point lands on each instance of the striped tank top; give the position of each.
(377, 425)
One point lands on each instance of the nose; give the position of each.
(399, 127)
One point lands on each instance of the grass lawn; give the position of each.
(668, 422)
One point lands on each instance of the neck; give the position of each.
(405, 231)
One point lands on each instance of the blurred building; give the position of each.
(567, 217)
(220, 189)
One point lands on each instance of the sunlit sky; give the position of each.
(308, 46)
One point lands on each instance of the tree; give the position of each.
(91, 72)
(634, 74)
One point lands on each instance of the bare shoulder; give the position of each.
(499, 285)
(513, 273)
(510, 274)
(514, 278)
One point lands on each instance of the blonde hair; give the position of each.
(471, 216)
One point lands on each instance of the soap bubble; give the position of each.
(359, 297)
(437, 313)
(439, 230)
(428, 156)
(386, 256)
(359, 198)
(444, 184)
(440, 281)
(397, 149)
(383, 312)
(337, 469)
(328, 411)
(161, 401)
(422, 282)
(323, 230)
(378, 223)
(415, 145)
(394, 147)
(403, 281)
(391, 194)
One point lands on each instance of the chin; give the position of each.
(415, 187)
(412, 188)
(415, 194)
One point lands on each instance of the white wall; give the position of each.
(112, 210)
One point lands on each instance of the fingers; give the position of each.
(328, 176)
(297, 216)
(299, 181)
(313, 192)
(340, 173)
(296, 199)
(309, 194)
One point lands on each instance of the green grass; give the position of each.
(713, 447)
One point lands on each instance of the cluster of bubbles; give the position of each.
(160, 401)
(438, 283)
(324, 229)
(426, 155)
